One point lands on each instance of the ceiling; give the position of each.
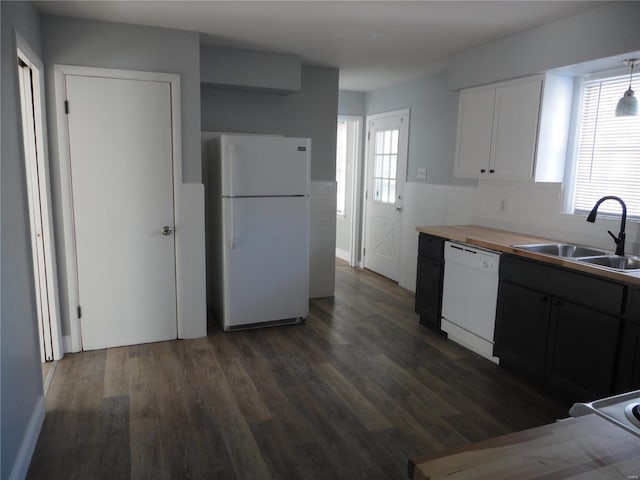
(374, 44)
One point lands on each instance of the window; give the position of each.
(608, 152)
(341, 167)
(385, 166)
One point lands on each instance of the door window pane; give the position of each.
(385, 166)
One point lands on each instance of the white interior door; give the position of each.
(386, 172)
(38, 188)
(120, 147)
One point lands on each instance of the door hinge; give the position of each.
(366, 195)
(66, 107)
(79, 311)
(369, 135)
(364, 252)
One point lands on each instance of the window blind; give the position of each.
(608, 156)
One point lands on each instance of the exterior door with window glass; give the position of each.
(386, 172)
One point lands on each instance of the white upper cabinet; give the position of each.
(514, 130)
(475, 124)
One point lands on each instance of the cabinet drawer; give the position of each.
(431, 246)
(597, 293)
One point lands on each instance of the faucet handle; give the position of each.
(615, 239)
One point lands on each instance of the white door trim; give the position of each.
(356, 186)
(66, 189)
(28, 56)
(369, 118)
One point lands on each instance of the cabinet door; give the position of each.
(429, 291)
(521, 329)
(581, 351)
(473, 142)
(431, 246)
(515, 128)
(629, 359)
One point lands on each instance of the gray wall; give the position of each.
(74, 41)
(21, 384)
(351, 103)
(249, 69)
(599, 33)
(312, 112)
(91, 43)
(432, 128)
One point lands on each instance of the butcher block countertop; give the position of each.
(587, 447)
(504, 241)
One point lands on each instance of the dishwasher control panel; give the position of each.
(473, 257)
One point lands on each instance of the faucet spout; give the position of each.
(619, 240)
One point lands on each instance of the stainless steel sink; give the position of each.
(615, 262)
(562, 250)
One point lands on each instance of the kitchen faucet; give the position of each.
(620, 238)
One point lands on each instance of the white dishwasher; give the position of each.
(469, 297)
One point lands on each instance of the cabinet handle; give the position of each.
(483, 170)
(492, 171)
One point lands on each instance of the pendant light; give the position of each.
(628, 104)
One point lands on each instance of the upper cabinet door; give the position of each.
(475, 123)
(515, 129)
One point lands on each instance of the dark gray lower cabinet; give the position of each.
(429, 291)
(430, 274)
(629, 359)
(581, 350)
(561, 342)
(521, 333)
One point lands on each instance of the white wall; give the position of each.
(537, 209)
(429, 205)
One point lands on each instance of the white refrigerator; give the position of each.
(257, 227)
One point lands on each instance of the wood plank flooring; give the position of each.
(352, 393)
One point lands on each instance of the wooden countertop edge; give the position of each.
(593, 423)
(487, 238)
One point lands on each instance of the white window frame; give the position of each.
(571, 170)
(341, 212)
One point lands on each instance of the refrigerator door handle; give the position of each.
(231, 222)
(232, 160)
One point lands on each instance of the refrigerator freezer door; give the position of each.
(265, 259)
(264, 166)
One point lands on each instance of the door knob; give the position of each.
(166, 230)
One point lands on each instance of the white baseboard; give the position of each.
(343, 254)
(29, 441)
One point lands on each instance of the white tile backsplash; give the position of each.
(532, 208)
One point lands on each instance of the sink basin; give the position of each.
(615, 262)
(562, 250)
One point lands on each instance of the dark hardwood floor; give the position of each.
(352, 393)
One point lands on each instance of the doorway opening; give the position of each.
(348, 173)
(31, 88)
